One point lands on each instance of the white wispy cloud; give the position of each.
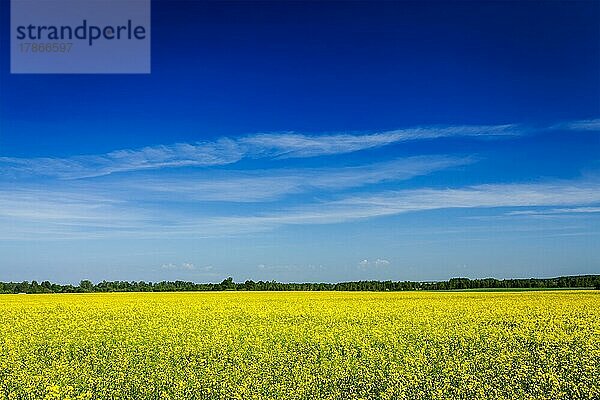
(580, 125)
(186, 266)
(142, 204)
(220, 152)
(556, 211)
(556, 193)
(377, 263)
(266, 185)
(66, 206)
(175, 203)
(290, 145)
(55, 218)
(224, 151)
(352, 208)
(276, 268)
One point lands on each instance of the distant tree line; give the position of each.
(86, 286)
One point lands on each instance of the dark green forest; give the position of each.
(86, 286)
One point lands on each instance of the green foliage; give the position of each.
(86, 286)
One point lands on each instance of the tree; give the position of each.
(228, 284)
(86, 286)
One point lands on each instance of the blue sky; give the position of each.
(313, 142)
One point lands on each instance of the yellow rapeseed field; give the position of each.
(301, 345)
